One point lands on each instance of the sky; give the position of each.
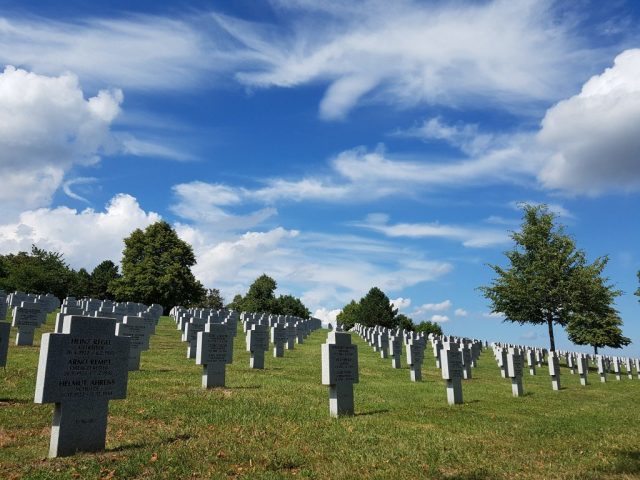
(334, 145)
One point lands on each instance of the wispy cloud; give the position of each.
(468, 236)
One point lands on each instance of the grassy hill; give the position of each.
(274, 423)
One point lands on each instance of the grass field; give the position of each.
(274, 423)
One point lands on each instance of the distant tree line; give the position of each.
(375, 308)
(261, 298)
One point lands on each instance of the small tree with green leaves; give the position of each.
(428, 327)
(376, 309)
(547, 279)
(156, 268)
(350, 315)
(212, 299)
(101, 277)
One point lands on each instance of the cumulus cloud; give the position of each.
(468, 236)
(327, 316)
(401, 303)
(461, 312)
(439, 318)
(46, 127)
(84, 237)
(497, 315)
(594, 136)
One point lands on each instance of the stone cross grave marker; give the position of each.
(571, 363)
(602, 368)
(291, 335)
(257, 344)
(415, 357)
(80, 370)
(627, 367)
(437, 346)
(340, 372)
(637, 364)
(465, 355)
(190, 336)
(531, 362)
(5, 329)
(278, 338)
(3, 307)
(451, 363)
(554, 370)
(138, 331)
(515, 365)
(26, 319)
(383, 344)
(211, 353)
(583, 368)
(616, 368)
(395, 350)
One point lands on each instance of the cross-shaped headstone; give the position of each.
(80, 370)
(26, 319)
(257, 343)
(515, 365)
(211, 353)
(554, 370)
(278, 338)
(340, 372)
(451, 363)
(5, 329)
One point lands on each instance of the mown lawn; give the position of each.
(274, 423)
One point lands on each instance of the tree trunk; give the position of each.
(552, 343)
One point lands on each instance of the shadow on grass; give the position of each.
(136, 446)
(244, 387)
(15, 400)
(626, 462)
(372, 412)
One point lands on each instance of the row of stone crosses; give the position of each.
(85, 362)
(456, 357)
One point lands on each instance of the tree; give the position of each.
(350, 315)
(39, 272)
(213, 299)
(290, 305)
(80, 284)
(600, 325)
(101, 277)
(638, 290)
(376, 309)
(429, 327)
(156, 268)
(404, 322)
(547, 279)
(260, 297)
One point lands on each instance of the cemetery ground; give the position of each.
(274, 423)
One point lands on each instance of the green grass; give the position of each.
(275, 423)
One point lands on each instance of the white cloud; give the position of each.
(409, 53)
(142, 52)
(439, 318)
(401, 303)
(434, 307)
(46, 127)
(465, 137)
(84, 237)
(594, 136)
(461, 312)
(327, 316)
(201, 202)
(497, 315)
(554, 208)
(469, 236)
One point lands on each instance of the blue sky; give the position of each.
(335, 146)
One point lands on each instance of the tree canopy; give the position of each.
(38, 272)
(212, 299)
(548, 280)
(156, 268)
(261, 298)
(429, 327)
(373, 309)
(101, 277)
